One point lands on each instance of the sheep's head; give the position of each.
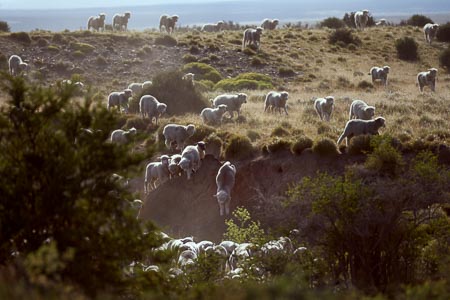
(189, 77)
(284, 95)
(435, 26)
(102, 16)
(222, 197)
(242, 97)
(190, 129)
(161, 107)
(433, 72)
(128, 93)
(259, 30)
(380, 122)
(220, 24)
(132, 130)
(386, 69)
(365, 12)
(201, 145)
(275, 22)
(222, 108)
(330, 100)
(175, 18)
(127, 15)
(23, 66)
(370, 111)
(165, 159)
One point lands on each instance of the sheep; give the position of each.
(429, 31)
(120, 136)
(268, 24)
(324, 107)
(150, 106)
(168, 22)
(233, 102)
(252, 36)
(156, 172)
(136, 88)
(427, 78)
(119, 99)
(361, 19)
(225, 182)
(360, 110)
(120, 22)
(187, 258)
(380, 74)
(359, 127)
(189, 77)
(241, 253)
(276, 100)
(147, 84)
(190, 158)
(174, 168)
(213, 27)
(16, 65)
(213, 115)
(97, 23)
(381, 22)
(177, 133)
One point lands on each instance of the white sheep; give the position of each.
(213, 115)
(97, 23)
(360, 110)
(241, 253)
(233, 102)
(225, 182)
(120, 21)
(252, 36)
(429, 31)
(156, 172)
(268, 24)
(168, 22)
(324, 107)
(122, 136)
(150, 106)
(189, 77)
(380, 74)
(147, 84)
(359, 127)
(119, 99)
(276, 100)
(381, 22)
(136, 88)
(361, 19)
(16, 65)
(178, 134)
(427, 78)
(174, 168)
(213, 27)
(190, 158)
(187, 258)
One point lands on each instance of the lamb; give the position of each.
(120, 136)
(97, 23)
(174, 168)
(189, 77)
(120, 22)
(252, 36)
(233, 102)
(213, 27)
(213, 115)
(360, 110)
(324, 107)
(119, 99)
(150, 106)
(156, 172)
(429, 31)
(225, 182)
(359, 127)
(177, 133)
(361, 19)
(268, 24)
(168, 22)
(427, 78)
(190, 158)
(380, 74)
(16, 65)
(276, 100)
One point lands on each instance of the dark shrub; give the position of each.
(238, 147)
(286, 72)
(137, 122)
(443, 34)
(418, 20)
(42, 43)
(4, 27)
(278, 145)
(343, 35)
(301, 144)
(364, 85)
(444, 59)
(384, 159)
(253, 135)
(201, 133)
(22, 37)
(333, 23)
(188, 58)
(359, 145)
(279, 131)
(407, 49)
(325, 147)
(166, 40)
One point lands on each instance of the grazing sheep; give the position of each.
(361, 19)
(213, 27)
(213, 115)
(168, 22)
(189, 77)
(190, 158)
(147, 84)
(119, 99)
(120, 22)
(360, 110)
(174, 168)
(427, 78)
(16, 65)
(97, 23)
(380, 74)
(252, 36)
(178, 134)
(233, 102)
(156, 172)
(429, 31)
(150, 106)
(324, 107)
(120, 136)
(276, 100)
(359, 127)
(268, 24)
(136, 88)
(381, 22)
(225, 182)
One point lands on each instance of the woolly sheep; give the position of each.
(360, 110)
(146, 84)
(122, 136)
(136, 88)
(324, 107)
(229, 246)
(361, 18)
(213, 27)
(429, 31)
(156, 172)
(252, 36)
(225, 182)
(119, 99)
(174, 168)
(380, 74)
(16, 65)
(359, 127)
(381, 22)
(233, 102)
(189, 77)
(168, 22)
(187, 258)
(178, 134)
(150, 106)
(427, 78)
(97, 23)
(241, 253)
(190, 158)
(213, 115)
(268, 24)
(276, 100)
(120, 21)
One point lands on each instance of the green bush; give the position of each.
(407, 49)
(201, 133)
(443, 34)
(188, 58)
(333, 23)
(82, 47)
(418, 20)
(243, 229)
(278, 145)
(301, 144)
(325, 147)
(22, 37)
(238, 147)
(202, 71)
(384, 159)
(166, 40)
(344, 36)
(249, 81)
(4, 27)
(444, 58)
(360, 145)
